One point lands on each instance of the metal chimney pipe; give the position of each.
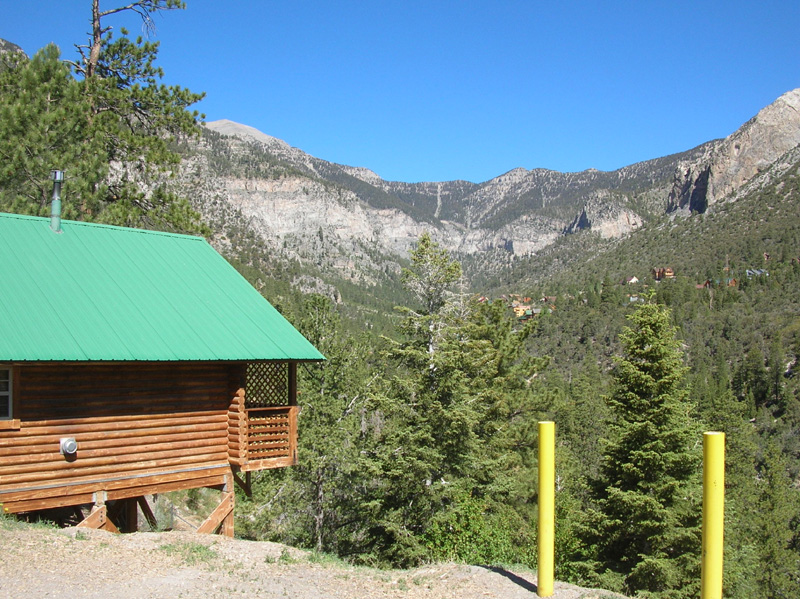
(55, 206)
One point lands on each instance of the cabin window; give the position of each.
(5, 393)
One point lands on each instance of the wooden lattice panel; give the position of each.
(267, 384)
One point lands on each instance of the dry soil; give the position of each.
(40, 562)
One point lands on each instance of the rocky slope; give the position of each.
(726, 164)
(348, 222)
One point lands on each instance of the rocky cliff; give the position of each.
(726, 164)
(347, 220)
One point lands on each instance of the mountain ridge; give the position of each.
(347, 223)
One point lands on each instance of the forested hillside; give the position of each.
(420, 445)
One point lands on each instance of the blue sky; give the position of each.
(435, 90)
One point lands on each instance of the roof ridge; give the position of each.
(82, 223)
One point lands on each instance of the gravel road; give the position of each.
(75, 563)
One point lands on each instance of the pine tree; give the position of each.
(777, 527)
(110, 131)
(316, 503)
(454, 425)
(644, 531)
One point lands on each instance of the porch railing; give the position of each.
(261, 438)
(271, 432)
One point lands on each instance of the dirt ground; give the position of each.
(39, 562)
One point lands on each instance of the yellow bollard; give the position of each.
(713, 514)
(547, 503)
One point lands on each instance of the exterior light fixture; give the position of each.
(69, 446)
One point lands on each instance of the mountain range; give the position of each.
(345, 223)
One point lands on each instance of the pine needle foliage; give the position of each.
(643, 532)
(107, 122)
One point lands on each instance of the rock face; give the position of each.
(606, 217)
(9, 54)
(349, 220)
(727, 164)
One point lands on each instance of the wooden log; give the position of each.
(85, 454)
(88, 425)
(132, 463)
(98, 433)
(131, 480)
(97, 440)
(48, 406)
(117, 461)
(32, 505)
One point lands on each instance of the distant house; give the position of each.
(708, 283)
(756, 272)
(660, 274)
(630, 280)
(135, 362)
(520, 310)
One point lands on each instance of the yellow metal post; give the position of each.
(547, 503)
(713, 514)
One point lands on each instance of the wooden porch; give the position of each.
(261, 434)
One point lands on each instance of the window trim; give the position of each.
(8, 395)
(9, 422)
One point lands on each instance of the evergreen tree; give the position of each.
(644, 531)
(451, 447)
(110, 132)
(315, 504)
(777, 528)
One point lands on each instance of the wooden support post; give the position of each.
(98, 518)
(244, 485)
(221, 519)
(292, 383)
(131, 515)
(226, 529)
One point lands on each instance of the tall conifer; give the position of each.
(644, 531)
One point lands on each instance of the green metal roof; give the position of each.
(96, 292)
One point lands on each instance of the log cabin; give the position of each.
(133, 363)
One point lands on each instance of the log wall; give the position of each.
(140, 429)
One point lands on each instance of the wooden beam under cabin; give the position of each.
(221, 518)
(98, 518)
